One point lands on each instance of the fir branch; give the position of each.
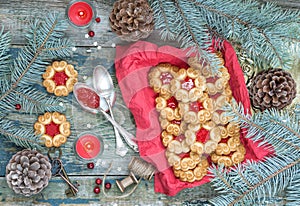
(20, 136)
(59, 48)
(5, 59)
(177, 15)
(276, 174)
(34, 101)
(256, 182)
(260, 30)
(4, 47)
(45, 42)
(293, 191)
(162, 23)
(276, 130)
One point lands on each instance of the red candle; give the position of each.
(80, 13)
(88, 146)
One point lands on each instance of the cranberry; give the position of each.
(98, 181)
(107, 185)
(98, 19)
(18, 106)
(91, 33)
(97, 190)
(90, 165)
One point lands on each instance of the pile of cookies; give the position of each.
(195, 129)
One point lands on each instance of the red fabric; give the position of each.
(132, 64)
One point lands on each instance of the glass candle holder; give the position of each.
(88, 146)
(80, 13)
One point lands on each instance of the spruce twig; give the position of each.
(175, 20)
(276, 130)
(257, 182)
(252, 190)
(45, 42)
(263, 31)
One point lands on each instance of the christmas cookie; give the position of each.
(53, 128)
(188, 85)
(160, 77)
(229, 152)
(59, 78)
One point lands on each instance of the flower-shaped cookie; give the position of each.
(188, 85)
(160, 78)
(59, 78)
(53, 128)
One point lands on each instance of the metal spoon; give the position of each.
(103, 84)
(91, 103)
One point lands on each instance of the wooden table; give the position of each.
(15, 16)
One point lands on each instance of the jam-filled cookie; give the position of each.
(53, 128)
(59, 78)
(160, 77)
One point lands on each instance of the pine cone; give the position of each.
(28, 172)
(132, 19)
(273, 88)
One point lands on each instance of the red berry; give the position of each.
(97, 190)
(98, 19)
(107, 185)
(91, 33)
(90, 165)
(98, 181)
(18, 106)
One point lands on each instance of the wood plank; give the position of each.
(54, 194)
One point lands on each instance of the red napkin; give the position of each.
(132, 64)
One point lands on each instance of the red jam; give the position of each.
(224, 140)
(52, 129)
(172, 103)
(60, 78)
(184, 155)
(180, 138)
(176, 121)
(88, 98)
(196, 106)
(166, 78)
(202, 135)
(187, 84)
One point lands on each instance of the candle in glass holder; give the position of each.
(88, 146)
(80, 13)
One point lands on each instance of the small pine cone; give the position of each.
(131, 19)
(273, 88)
(28, 172)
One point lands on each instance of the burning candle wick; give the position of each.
(81, 14)
(89, 146)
